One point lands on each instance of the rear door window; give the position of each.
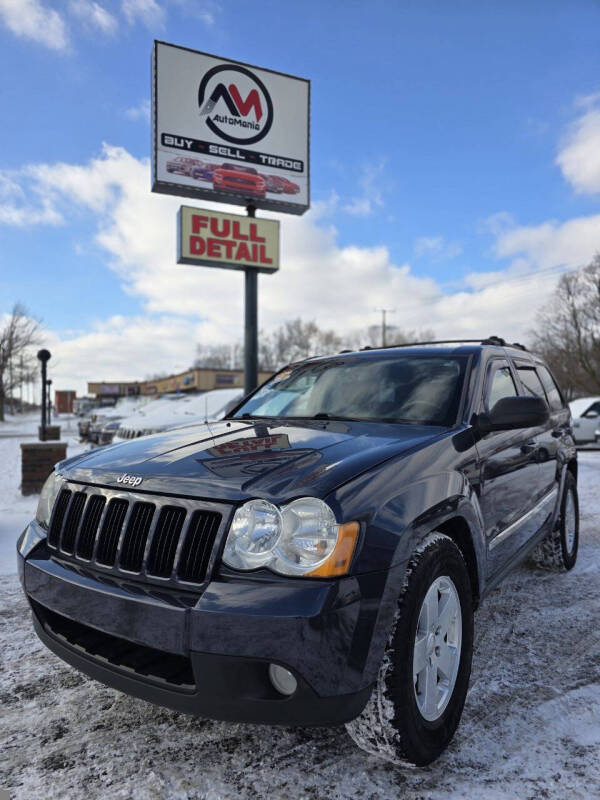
(532, 385)
(555, 400)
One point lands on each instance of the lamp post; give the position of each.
(49, 416)
(43, 357)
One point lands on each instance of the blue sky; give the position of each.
(448, 141)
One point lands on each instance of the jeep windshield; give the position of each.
(413, 389)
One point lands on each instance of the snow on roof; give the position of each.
(189, 409)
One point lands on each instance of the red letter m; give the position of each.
(244, 106)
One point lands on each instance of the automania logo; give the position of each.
(129, 480)
(236, 104)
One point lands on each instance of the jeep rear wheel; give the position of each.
(558, 550)
(419, 696)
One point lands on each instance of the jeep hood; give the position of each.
(233, 460)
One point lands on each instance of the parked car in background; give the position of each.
(315, 558)
(183, 165)
(586, 419)
(108, 432)
(239, 179)
(83, 425)
(178, 410)
(90, 427)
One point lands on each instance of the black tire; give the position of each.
(391, 725)
(558, 551)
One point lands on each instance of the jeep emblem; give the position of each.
(129, 480)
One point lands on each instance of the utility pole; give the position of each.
(384, 311)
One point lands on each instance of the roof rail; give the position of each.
(495, 340)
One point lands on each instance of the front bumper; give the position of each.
(329, 634)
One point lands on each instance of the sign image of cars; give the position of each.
(274, 184)
(183, 166)
(289, 187)
(240, 180)
(204, 172)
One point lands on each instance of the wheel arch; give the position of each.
(457, 528)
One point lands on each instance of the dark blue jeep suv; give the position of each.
(316, 557)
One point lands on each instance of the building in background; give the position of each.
(107, 393)
(63, 401)
(197, 379)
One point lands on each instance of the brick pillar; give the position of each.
(37, 462)
(52, 433)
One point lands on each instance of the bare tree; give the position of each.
(220, 356)
(295, 340)
(567, 333)
(371, 337)
(19, 335)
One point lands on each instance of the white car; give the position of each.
(175, 411)
(586, 419)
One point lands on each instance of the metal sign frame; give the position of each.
(247, 155)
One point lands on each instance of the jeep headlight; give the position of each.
(302, 538)
(47, 497)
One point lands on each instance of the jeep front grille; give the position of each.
(157, 539)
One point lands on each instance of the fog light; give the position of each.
(282, 679)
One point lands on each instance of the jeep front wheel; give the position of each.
(419, 696)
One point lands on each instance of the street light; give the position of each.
(43, 356)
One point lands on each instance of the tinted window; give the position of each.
(531, 383)
(501, 385)
(417, 389)
(555, 400)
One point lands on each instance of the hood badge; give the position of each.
(129, 480)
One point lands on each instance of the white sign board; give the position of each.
(228, 131)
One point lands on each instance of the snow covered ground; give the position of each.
(16, 510)
(531, 726)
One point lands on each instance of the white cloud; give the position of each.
(371, 183)
(436, 248)
(205, 10)
(31, 19)
(337, 285)
(122, 348)
(579, 155)
(149, 12)
(94, 16)
(552, 244)
(17, 211)
(141, 111)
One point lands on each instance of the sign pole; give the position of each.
(251, 324)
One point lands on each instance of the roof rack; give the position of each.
(496, 341)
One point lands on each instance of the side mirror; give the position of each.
(591, 415)
(511, 413)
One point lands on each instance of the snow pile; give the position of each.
(531, 726)
(178, 410)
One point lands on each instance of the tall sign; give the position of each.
(229, 132)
